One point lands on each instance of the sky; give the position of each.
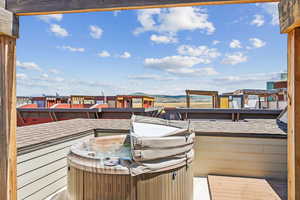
(154, 51)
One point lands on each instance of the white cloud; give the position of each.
(54, 84)
(203, 52)
(21, 76)
(58, 79)
(239, 20)
(258, 20)
(125, 55)
(205, 71)
(163, 39)
(96, 32)
(151, 77)
(45, 76)
(49, 18)
(173, 20)
(146, 18)
(234, 44)
(272, 10)
(180, 65)
(104, 54)
(58, 30)
(28, 65)
(54, 71)
(45, 82)
(215, 42)
(73, 49)
(116, 12)
(256, 43)
(173, 62)
(235, 58)
(263, 77)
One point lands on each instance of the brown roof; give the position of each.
(41, 133)
(201, 92)
(250, 127)
(255, 92)
(48, 132)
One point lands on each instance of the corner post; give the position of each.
(294, 114)
(8, 151)
(289, 13)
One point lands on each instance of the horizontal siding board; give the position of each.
(39, 162)
(239, 140)
(36, 186)
(41, 172)
(255, 157)
(241, 173)
(44, 151)
(244, 165)
(38, 170)
(275, 149)
(241, 148)
(49, 190)
(250, 157)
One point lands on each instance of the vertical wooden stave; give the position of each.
(8, 118)
(154, 186)
(294, 114)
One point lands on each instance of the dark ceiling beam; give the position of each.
(9, 23)
(38, 7)
(289, 15)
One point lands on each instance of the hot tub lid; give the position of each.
(141, 129)
(153, 139)
(152, 146)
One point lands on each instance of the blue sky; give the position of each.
(156, 51)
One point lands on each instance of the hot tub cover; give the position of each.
(158, 143)
(153, 138)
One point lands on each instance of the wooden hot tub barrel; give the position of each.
(96, 176)
(175, 184)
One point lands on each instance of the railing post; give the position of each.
(188, 99)
(8, 35)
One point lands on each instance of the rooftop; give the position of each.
(48, 132)
(248, 127)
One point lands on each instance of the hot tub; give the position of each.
(123, 168)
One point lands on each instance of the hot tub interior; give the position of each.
(110, 146)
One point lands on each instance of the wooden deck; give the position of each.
(225, 187)
(239, 188)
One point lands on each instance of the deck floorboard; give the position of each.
(240, 188)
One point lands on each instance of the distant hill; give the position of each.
(173, 98)
(140, 94)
